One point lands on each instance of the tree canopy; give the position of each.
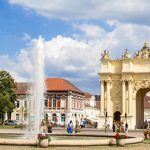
(7, 92)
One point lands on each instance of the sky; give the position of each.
(74, 33)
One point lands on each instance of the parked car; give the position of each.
(11, 122)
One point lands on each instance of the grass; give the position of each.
(11, 127)
(6, 127)
(146, 141)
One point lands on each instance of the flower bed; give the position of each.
(120, 136)
(43, 136)
(146, 133)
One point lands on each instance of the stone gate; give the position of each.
(123, 84)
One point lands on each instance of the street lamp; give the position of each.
(126, 125)
(105, 121)
(75, 118)
(125, 117)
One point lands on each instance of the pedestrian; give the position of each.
(81, 123)
(43, 128)
(126, 127)
(70, 127)
(77, 127)
(114, 127)
(49, 128)
(145, 124)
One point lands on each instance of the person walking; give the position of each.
(70, 127)
(43, 128)
(49, 128)
(77, 127)
(114, 127)
(126, 127)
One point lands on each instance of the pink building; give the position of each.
(63, 101)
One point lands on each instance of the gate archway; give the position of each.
(140, 106)
(122, 82)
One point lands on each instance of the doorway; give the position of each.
(117, 116)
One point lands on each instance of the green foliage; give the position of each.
(7, 92)
(44, 136)
(146, 141)
(6, 127)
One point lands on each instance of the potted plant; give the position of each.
(43, 139)
(119, 138)
(146, 132)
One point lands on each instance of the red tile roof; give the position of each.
(60, 84)
(87, 95)
(52, 84)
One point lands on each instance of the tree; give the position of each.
(7, 94)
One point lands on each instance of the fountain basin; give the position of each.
(71, 142)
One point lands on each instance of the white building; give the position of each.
(92, 107)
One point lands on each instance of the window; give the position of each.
(62, 117)
(63, 103)
(54, 102)
(17, 104)
(54, 117)
(72, 103)
(46, 103)
(17, 117)
(25, 117)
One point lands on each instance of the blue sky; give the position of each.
(74, 34)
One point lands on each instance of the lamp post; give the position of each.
(75, 118)
(125, 117)
(126, 125)
(105, 121)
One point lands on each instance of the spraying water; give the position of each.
(36, 104)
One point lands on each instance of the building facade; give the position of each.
(124, 83)
(63, 102)
(92, 107)
(147, 107)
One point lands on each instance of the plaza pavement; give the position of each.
(84, 131)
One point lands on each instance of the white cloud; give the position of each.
(16, 66)
(127, 35)
(90, 30)
(70, 55)
(136, 11)
(77, 59)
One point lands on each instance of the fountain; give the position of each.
(36, 103)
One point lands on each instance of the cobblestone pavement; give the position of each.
(126, 147)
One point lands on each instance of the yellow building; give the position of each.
(124, 83)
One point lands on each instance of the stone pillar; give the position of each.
(108, 103)
(129, 97)
(123, 97)
(102, 98)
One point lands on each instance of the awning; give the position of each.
(90, 119)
